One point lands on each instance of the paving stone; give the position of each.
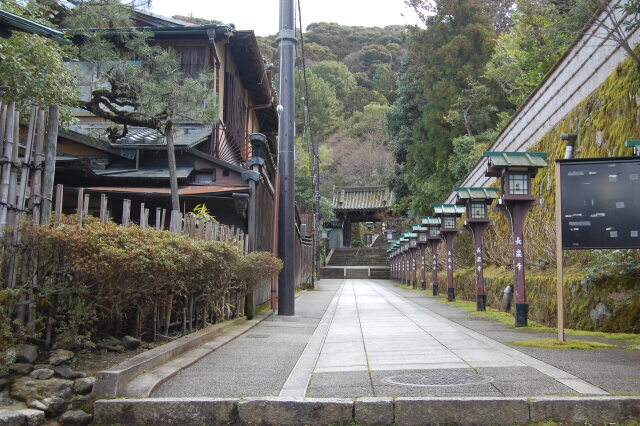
(374, 411)
(482, 411)
(295, 411)
(166, 411)
(591, 410)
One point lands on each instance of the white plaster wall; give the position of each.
(581, 71)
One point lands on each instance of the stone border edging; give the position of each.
(112, 383)
(399, 411)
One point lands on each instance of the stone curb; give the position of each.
(399, 411)
(112, 383)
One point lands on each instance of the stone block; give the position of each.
(166, 411)
(26, 353)
(41, 374)
(24, 417)
(585, 410)
(374, 411)
(60, 356)
(27, 389)
(482, 411)
(295, 410)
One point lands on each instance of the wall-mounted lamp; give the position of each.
(240, 202)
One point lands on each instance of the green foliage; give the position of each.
(325, 108)
(343, 40)
(201, 212)
(92, 275)
(33, 68)
(611, 263)
(567, 344)
(542, 32)
(337, 75)
(444, 67)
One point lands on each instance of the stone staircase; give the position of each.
(358, 262)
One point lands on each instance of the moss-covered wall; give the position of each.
(603, 122)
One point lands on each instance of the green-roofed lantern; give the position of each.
(515, 170)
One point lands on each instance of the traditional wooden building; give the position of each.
(359, 204)
(214, 160)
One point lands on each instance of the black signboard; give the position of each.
(600, 203)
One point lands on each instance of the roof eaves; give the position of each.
(27, 25)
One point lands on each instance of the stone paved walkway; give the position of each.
(351, 337)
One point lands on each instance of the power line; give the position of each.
(312, 146)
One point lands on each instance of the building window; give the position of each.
(478, 211)
(518, 184)
(449, 222)
(207, 176)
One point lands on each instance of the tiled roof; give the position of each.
(430, 220)
(364, 198)
(477, 193)
(417, 228)
(447, 209)
(515, 159)
(633, 143)
(184, 135)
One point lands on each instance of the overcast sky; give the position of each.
(262, 15)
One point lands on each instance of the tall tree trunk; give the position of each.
(173, 178)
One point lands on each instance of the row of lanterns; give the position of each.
(514, 199)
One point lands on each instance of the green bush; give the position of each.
(106, 278)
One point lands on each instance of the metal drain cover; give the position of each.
(438, 379)
(258, 336)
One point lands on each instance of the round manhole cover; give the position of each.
(438, 379)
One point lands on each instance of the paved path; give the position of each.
(351, 337)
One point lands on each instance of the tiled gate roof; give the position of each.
(361, 198)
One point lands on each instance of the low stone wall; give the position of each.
(378, 411)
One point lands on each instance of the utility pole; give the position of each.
(286, 130)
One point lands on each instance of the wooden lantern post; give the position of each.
(476, 201)
(423, 235)
(433, 239)
(413, 250)
(515, 170)
(448, 230)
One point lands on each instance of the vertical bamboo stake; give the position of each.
(164, 214)
(126, 212)
(35, 203)
(104, 215)
(6, 166)
(85, 206)
(58, 208)
(142, 224)
(12, 199)
(3, 124)
(80, 205)
(49, 164)
(158, 219)
(146, 218)
(26, 161)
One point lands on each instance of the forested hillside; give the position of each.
(415, 107)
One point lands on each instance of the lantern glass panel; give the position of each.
(422, 237)
(518, 184)
(413, 242)
(433, 231)
(478, 210)
(449, 222)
